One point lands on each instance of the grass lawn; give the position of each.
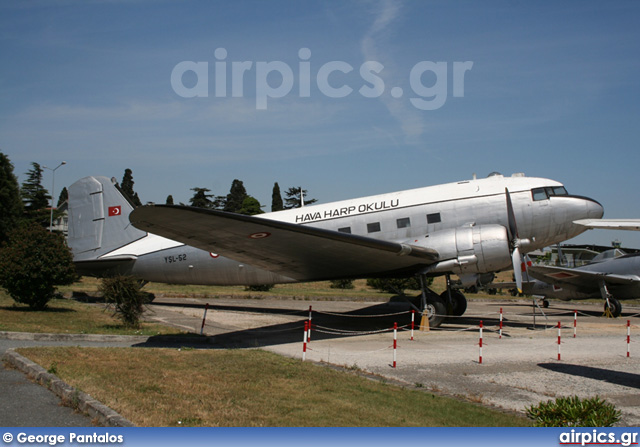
(68, 317)
(242, 388)
(186, 387)
(301, 291)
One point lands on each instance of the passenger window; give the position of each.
(373, 227)
(539, 194)
(405, 222)
(345, 230)
(434, 218)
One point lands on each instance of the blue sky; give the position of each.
(552, 91)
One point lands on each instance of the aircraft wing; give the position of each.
(301, 252)
(562, 276)
(611, 224)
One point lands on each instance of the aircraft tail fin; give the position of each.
(99, 219)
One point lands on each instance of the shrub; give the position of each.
(396, 285)
(574, 412)
(259, 288)
(342, 284)
(124, 295)
(32, 263)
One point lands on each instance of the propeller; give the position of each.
(515, 242)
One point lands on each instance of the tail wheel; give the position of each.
(614, 307)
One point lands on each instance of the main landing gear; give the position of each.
(612, 307)
(438, 307)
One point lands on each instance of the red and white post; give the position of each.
(204, 318)
(559, 328)
(395, 342)
(500, 323)
(480, 355)
(413, 316)
(304, 341)
(575, 322)
(628, 337)
(309, 329)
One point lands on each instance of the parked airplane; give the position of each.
(466, 228)
(612, 275)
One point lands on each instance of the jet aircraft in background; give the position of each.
(467, 228)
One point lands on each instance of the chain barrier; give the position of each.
(362, 316)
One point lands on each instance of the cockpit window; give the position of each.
(545, 193)
(557, 191)
(539, 194)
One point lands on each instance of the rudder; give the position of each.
(99, 218)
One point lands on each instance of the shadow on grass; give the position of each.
(27, 309)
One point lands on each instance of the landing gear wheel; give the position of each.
(458, 302)
(614, 307)
(545, 304)
(435, 310)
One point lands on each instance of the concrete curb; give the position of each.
(6, 335)
(69, 395)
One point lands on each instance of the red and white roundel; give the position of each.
(214, 255)
(260, 235)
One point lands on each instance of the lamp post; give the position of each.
(53, 184)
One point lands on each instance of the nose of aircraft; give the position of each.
(594, 209)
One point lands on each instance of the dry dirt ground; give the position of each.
(518, 369)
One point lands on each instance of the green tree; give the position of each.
(35, 197)
(236, 197)
(201, 199)
(276, 198)
(11, 207)
(127, 187)
(294, 197)
(250, 206)
(32, 263)
(169, 200)
(63, 197)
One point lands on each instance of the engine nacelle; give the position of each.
(472, 249)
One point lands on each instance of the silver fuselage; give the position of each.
(407, 216)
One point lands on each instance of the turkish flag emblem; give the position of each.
(114, 211)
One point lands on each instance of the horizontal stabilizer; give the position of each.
(116, 265)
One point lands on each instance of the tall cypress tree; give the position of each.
(127, 187)
(64, 196)
(276, 198)
(35, 198)
(11, 208)
(34, 195)
(236, 197)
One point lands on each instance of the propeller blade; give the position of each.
(511, 218)
(517, 267)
